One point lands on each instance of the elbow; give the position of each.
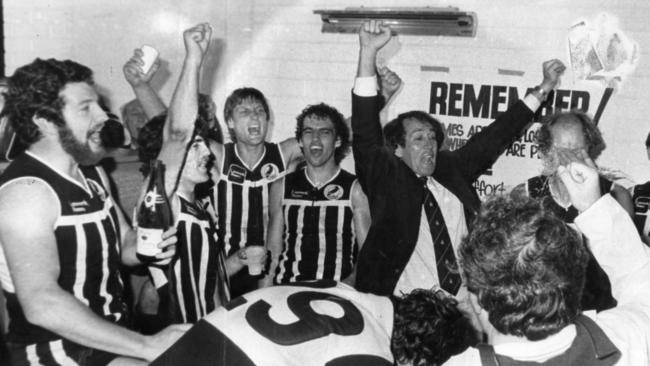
(42, 311)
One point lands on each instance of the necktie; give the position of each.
(446, 263)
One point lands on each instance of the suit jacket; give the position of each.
(395, 194)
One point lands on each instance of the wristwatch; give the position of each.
(539, 93)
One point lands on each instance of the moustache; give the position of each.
(112, 133)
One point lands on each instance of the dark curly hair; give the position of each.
(591, 133)
(35, 90)
(428, 328)
(525, 265)
(208, 119)
(395, 133)
(324, 111)
(151, 134)
(236, 98)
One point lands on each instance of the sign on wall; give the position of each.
(466, 108)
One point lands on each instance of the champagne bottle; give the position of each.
(154, 215)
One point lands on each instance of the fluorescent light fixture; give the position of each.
(421, 21)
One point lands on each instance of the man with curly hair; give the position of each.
(197, 281)
(319, 215)
(567, 136)
(62, 235)
(525, 270)
(325, 323)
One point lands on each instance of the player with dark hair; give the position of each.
(524, 268)
(197, 281)
(62, 235)
(325, 323)
(564, 135)
(319, 213)
(395, 134)
(421, 197)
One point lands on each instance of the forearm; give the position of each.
(184, 105)
(149, 100)
(275, 247)
(233, 264)
(616, 245)
(61, 313)
(367, 59)
(483, 149)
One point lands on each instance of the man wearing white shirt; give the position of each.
(415, 230)
(524, 269)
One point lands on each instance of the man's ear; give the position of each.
(399, 151)
(230, 123)
(43, 124)
(338, 142)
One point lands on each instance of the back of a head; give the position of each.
(526, 267)
(428, 328)
(34, 89)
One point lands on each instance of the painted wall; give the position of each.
(277, 46)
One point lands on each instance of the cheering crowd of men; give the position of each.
(398, 263)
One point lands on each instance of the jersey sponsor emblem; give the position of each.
(333, 192)
(192, 211)
(270, 171)
(236, 173)
(299, 194)
(79, 206)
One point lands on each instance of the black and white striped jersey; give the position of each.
(197, 271)
(241, 199)
(241, 196)
(87, 234)
(319, 240)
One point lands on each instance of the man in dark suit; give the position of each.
(421, 199)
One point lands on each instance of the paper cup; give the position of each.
(149, 56)
(254, 254)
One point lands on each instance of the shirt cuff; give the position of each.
(532, 102)
(365, 86)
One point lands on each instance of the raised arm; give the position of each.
(370, 156)
(389, 84)
(485, 147)
(139, 81)
(183, 109)
(612, 236)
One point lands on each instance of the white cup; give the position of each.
(254, 255)
(149, 56)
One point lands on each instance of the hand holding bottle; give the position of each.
(167, 248)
